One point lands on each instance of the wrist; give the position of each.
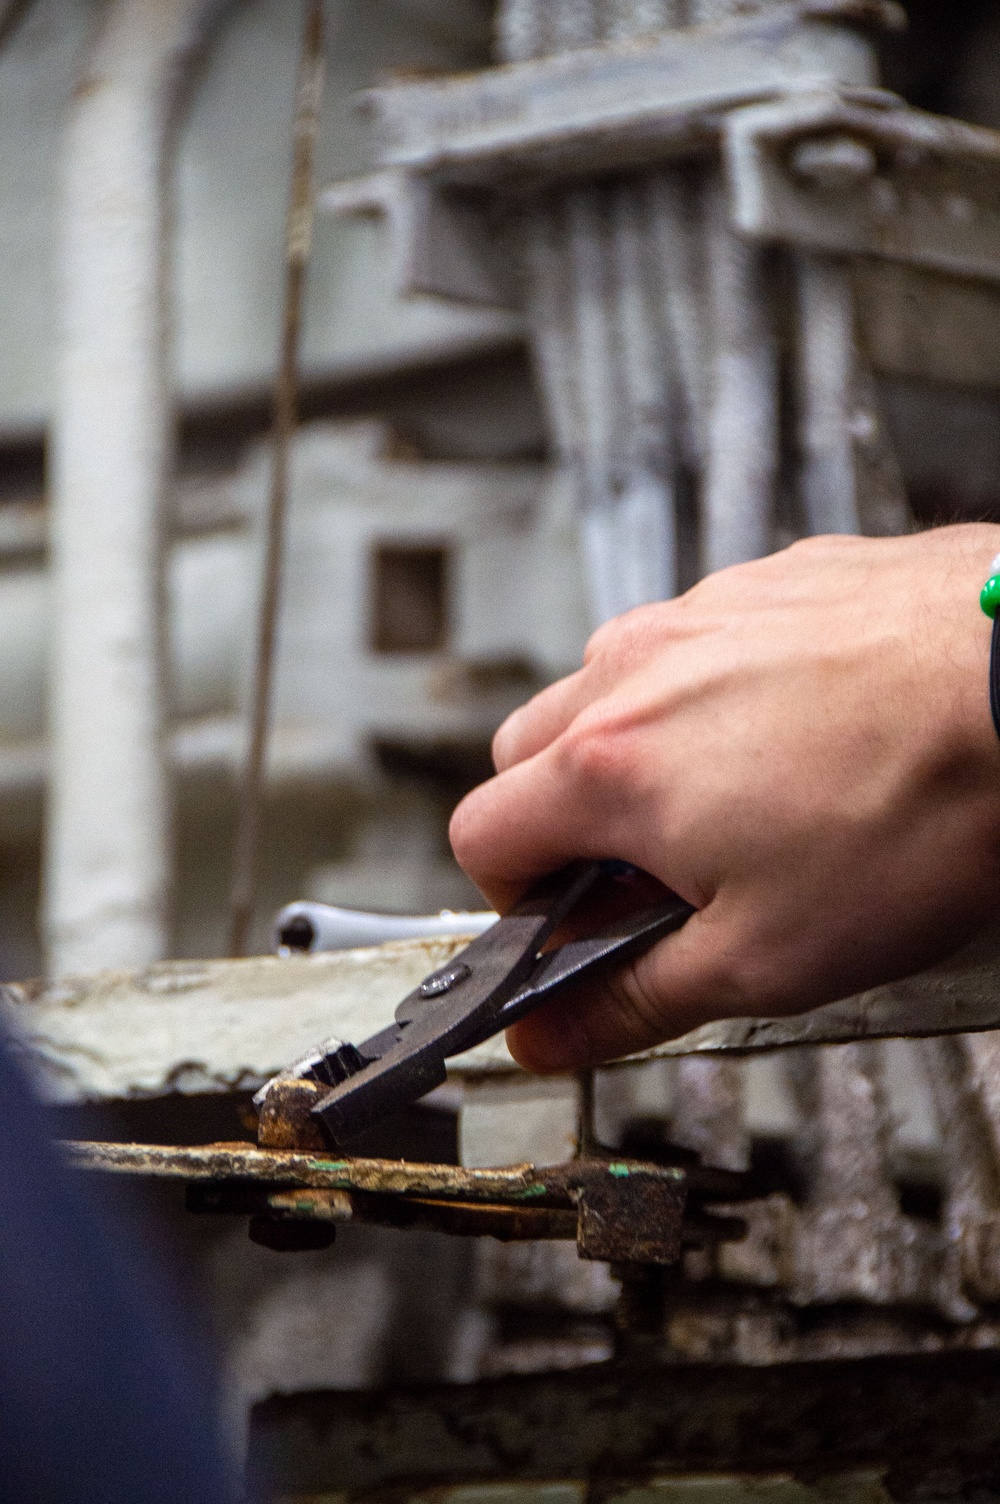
(979, 547)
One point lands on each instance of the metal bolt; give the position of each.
(445, 979)
(835, 163)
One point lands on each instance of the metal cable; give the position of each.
(298, 241)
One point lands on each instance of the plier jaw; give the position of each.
(498, 978)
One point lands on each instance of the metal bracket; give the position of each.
(442, 240)
(607, 107)
(447, 146)
(815, 156)
(851, 178)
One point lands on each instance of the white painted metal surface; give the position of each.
(205, 1026)
(231, 191)
(517, 597)
(623, 104)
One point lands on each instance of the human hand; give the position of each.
(801, 747)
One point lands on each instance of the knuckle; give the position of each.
(632, 634)
(595, 750)
(604, 642)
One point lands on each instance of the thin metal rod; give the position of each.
(298, 240)
(586, 1134)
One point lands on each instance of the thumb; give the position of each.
(687, 979)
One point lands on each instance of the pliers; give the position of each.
(502, 975)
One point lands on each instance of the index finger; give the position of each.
(532, 819)
(532, 727)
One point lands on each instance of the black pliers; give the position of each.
(502, 975)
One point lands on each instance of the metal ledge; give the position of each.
(191, 1027)
(595, 109)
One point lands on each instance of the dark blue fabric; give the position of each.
(102, 1395)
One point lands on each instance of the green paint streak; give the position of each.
(328, 1164)
(618, 1170)
(528, 1191)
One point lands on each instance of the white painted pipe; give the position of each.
(826, 392)
(107, 858)
(743, 455)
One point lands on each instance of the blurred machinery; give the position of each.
(738, 263)
(698, 206)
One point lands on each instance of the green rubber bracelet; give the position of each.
(989, 596)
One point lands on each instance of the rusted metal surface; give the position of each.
(464, 1218)
(617, 1209)
(928, 1426)
(637, 1221)
(312, 1206)
(285, 1118)
(831, 1265)
(243, 1162)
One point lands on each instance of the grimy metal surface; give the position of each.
(624, 1211)
(959, 996)
(243, 1162)
(928, 1426)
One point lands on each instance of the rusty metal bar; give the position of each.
(906, 1423)
(244, 1162)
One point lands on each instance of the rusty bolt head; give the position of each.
(834, 163)
(285, 1116)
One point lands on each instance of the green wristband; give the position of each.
(989, 596)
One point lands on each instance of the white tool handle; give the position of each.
(306, 926)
